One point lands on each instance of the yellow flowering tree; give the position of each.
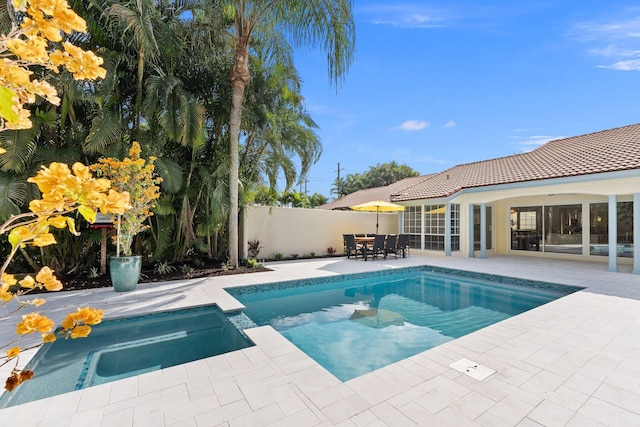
(29, 43)
(135, 176)
(64, 191)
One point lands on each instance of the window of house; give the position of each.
(526, 228)
(563, 229)
(412, 225)
(599, 229)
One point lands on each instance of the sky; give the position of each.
(436, 84)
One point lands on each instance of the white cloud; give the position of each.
(450, 124)
(403, 15)
(414, 125)
(529, 143)
(615, 29)
(628, 65)
(615, 39)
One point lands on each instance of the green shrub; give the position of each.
(253, 263)
(163, 268)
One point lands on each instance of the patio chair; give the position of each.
(351, 248)
(390, 246)
(378, 246)
(403, 245)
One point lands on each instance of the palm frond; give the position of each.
(13, 194)
(106, 130)
(20, 146)
(171, 173)
(165, 206)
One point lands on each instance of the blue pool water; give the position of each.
(356, 324)
(122, 348)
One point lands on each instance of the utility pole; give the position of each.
(306, 181)
(338, 189)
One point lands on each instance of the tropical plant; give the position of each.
(163, 268)
(94, 272)
(186, 269)
(253, 263)
(254, 247)
(135, 176)
(64, 192)
(327, 23)
(28, 44)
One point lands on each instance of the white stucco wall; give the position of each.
(302, 231)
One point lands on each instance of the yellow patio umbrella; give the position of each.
(377, 318)
(377, 206)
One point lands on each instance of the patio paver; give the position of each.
(574, 361)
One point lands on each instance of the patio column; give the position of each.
(483, 230)
(447, 229)
(636, 233)
(613, 233)
(470, 234)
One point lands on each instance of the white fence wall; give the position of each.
(299, 231)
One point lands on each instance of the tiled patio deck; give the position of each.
(574, 361)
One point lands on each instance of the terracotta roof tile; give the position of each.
(605, 151)
(370, 194)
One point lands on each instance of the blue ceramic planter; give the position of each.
(125, 272)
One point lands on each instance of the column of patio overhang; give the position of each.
(612, 227)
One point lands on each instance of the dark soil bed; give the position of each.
(211, 269)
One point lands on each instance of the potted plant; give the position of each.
(135, 176)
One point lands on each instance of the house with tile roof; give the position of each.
(577, 198)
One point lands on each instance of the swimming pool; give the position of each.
(358, 323)
(125, 347)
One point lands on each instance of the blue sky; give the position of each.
(435, 84)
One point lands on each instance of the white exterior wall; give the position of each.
(302, 231)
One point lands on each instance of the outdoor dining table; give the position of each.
(367, 243)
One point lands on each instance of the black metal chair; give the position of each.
(378, 246)
(390, 245)
(351, 248)
(403, 245)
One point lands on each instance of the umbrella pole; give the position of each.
(377, 213)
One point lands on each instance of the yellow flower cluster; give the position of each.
(75, 325)
(33, 322)
(28, 44)
(45, 279)
(134, 176)
(63, 191)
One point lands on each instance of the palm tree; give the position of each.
(277, 127)
(325, 23)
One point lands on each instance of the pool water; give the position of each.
(126, 347)
(359, 323)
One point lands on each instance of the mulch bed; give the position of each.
(84, 281)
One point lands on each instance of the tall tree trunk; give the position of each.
(136, 125)
(239, 78)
